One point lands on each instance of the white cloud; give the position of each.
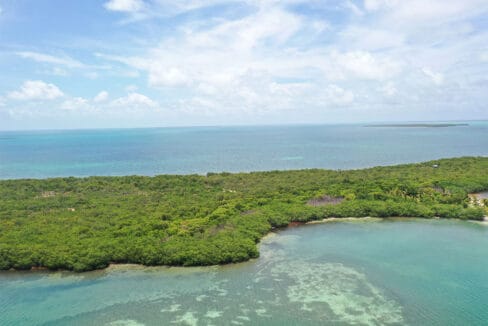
(134, 101)
(46, 58)
(389, 89)
(160, 76)
(425, 12)
(101, 97)
(337, 96)
(274, 58)
(436, 77)
(124, 5)
(266, 57)
(373, 5)
(239, 64)
(367, 38)
(75, 103)
(36, 90)
(365, 65)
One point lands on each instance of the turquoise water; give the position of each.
(408, 272)
(364, 273)
(41, 154)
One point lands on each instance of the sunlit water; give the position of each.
(363, 273)
(415, 272)
(40, 154)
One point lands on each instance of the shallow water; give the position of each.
(41, 154)
(415, 272)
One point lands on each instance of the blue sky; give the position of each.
(146, 63)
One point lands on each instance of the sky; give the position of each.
(153, 63)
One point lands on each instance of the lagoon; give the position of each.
(366, 272)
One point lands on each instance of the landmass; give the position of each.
(420, 125)
(83, 224)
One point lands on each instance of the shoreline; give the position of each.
(112, 267)
(352, 219)
(218, 219)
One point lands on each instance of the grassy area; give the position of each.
(86, 223)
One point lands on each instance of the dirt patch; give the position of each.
(47, 194)
(325, 200)
(438, 189)
(478, 199)
(295, 224)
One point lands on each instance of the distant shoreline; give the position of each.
(420, 125)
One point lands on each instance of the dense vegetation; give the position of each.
(86, 223)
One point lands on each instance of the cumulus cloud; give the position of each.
(365, 65)
(274, 58)
(124, 5)
(75, 103)
(336, 95)
(244, 64)
(160, 76)
(134, 101)
(256, 57)
(101, 97)
(36, 90)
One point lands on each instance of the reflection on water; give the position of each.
(388, 273)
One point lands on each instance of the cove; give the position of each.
(391, 272)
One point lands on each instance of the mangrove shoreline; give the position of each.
(82, 224)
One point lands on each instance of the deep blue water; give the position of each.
(40, 154)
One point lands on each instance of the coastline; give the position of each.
(122, 267)
(350, 219)
(217, 219)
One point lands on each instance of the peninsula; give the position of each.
(83, 224)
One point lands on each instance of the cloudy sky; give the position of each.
(135, 63)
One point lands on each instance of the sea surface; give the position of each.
(368, 272)
(403, 272)
(41, 154)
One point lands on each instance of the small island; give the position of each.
(420, 125)
(83, 224)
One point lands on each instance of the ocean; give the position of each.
(42, 154)
(367, 272)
